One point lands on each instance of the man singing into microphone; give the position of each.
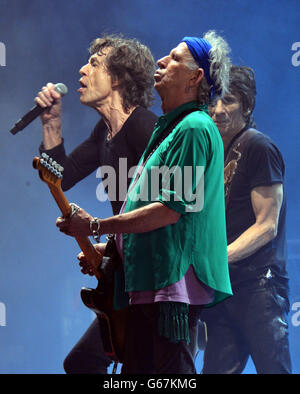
(117, 82)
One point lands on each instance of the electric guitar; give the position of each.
(99, 300)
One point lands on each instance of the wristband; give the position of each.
(95, 229)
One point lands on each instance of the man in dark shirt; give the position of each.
(252, 322)
(117, 82)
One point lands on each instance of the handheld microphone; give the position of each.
(36, 111)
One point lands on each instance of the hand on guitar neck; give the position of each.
(77, 224)
(86, 267)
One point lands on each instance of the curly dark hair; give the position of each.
(132, 64)
(242, 82)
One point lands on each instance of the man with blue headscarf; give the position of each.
(171, 230)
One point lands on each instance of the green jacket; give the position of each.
(195, 188)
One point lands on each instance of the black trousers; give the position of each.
(87, 356)
(148, 353)
(251, 323)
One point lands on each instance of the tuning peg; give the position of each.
(58, 167)
(51, 165)
(45, 156)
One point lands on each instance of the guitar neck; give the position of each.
(91, 255)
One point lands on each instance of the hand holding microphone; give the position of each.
(48, 105)
(49, 99)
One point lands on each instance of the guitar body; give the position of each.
(101, 299)
(112, 322)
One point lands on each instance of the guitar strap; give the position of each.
(167, 131)
(232, 156)
(155, 144)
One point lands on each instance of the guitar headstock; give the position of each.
(49, 170)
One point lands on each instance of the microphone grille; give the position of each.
(61, 88)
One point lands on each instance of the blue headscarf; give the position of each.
(199, 48)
